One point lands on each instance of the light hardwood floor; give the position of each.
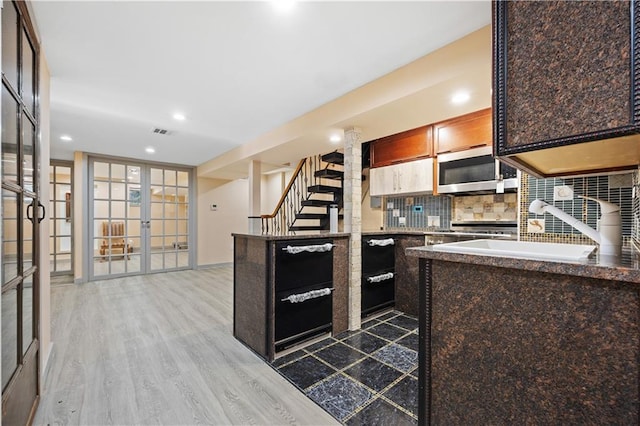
(158, 350)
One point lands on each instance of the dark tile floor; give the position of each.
(367, 377)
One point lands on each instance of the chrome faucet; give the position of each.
(609, 233)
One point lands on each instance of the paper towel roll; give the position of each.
(333, 218)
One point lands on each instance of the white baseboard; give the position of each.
(213, 265)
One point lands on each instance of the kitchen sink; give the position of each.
(519, 249)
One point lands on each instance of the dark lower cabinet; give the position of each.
(283, 294)
(378, 272)
(303, 290)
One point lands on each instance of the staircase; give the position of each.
(304, 207)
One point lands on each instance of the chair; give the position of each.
(113, 242)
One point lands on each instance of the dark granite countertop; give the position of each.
(443, 232)
(393, 232)
(626, 268)
(291, 237)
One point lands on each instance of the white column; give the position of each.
(255, 180)
(353, 218)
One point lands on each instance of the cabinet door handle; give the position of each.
(313, 294)
(380, 278)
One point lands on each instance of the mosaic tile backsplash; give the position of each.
(564, 193)
(417, 212)
(485, 208)
(428, 212)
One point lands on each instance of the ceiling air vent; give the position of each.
(159, 131)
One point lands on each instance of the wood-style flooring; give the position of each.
(158, 350)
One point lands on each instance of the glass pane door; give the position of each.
(21, 215)
(169, 227)
(140, 219)
(116, 212)
(60, 206)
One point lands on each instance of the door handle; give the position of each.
(30, 211)
(146, 223)
(44, 212)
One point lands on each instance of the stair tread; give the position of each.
(333, 158)
(311, 215)
(324, 188)
(329, 174)
(307, 228)
(315, 216)
(317, 203)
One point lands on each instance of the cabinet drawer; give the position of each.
(304, 268)
(377, 258)
(377, 295)
(300, 320)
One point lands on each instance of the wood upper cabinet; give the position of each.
(406, 146)
(566, 85)
(464, 132)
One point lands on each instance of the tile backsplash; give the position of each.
(486, 208)
(437, 212)
(417, 212)
(563, 193)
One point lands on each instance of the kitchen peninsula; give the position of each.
(289, 288)
(524, 341)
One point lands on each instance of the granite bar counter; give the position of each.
(275, 290)
(523, 341)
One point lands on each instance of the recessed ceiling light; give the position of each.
(66, 138)
(335, 138)
(150, 150)
(179, 117)
(460, 98)
(284, 6)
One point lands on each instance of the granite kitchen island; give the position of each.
(523, 341)
(284, 294)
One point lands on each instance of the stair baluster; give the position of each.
(307, 180)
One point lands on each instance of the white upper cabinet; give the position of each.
(404, 178)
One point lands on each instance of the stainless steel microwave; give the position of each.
(473, 170)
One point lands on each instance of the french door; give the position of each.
(60, 211)
(21, 214)
(141, 218)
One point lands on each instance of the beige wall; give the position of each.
(372, 218)
(214, 228)
(271, 186)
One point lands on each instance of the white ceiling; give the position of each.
(237, 70)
